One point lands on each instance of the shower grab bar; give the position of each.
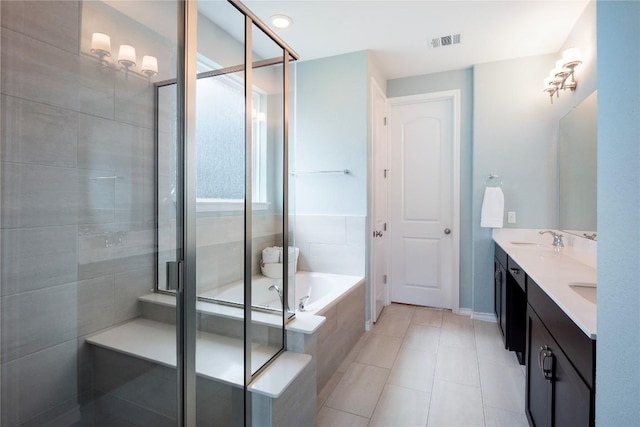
(343, 171)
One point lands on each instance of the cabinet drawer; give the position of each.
(578, 347)
(500, 255)
(517, 273)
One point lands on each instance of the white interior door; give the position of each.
(423, 141)
(379, 239)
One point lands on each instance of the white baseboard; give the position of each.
(367, 325)
(485, 317)
(465, 312)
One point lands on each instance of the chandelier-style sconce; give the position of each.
(562, 76)
(101, 47)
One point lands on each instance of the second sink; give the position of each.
(587, 290)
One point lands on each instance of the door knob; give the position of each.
(447, 231)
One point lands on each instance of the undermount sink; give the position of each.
(586, 290)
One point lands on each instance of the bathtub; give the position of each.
(322, 290)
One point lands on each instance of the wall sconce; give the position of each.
(127, 56)
(101, 46)
(562, 77)
(149, 66)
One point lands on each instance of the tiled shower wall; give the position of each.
(77, 200)
(220, 242)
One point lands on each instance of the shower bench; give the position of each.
(144, 348)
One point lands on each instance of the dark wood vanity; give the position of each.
(559, 355)
(510, 302)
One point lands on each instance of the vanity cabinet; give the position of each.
(500, 290)
(510, 302)
(560, 366)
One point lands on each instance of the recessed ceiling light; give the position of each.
(281, 21)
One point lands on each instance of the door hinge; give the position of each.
(384, 279)
(385, 121)
(384, 226)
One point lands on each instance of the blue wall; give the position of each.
(331, 134)
(462, 80)
(618, 345)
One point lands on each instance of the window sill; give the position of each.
(227, 205)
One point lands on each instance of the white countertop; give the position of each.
(218, 357)
(553, 270)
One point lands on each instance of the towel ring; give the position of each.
(492, 176)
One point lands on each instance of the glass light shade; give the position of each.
(149, 65)
(571, 57)
(101, 44)
(281, 21)
(127, 55)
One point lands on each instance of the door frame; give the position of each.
(454, 96)
(375, 87)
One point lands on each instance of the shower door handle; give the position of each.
(174, 276)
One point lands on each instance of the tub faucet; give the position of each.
(557, 238)
(278, 289)
(303, 302)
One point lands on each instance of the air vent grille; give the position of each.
(446, 40)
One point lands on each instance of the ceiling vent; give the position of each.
(446, 40)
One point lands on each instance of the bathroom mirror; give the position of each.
(577, 166)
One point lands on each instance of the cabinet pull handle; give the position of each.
(546, 355)
(515, 271)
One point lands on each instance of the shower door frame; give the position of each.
(186, 296)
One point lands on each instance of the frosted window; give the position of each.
(220, 139)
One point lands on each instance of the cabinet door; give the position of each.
(572, 397)
(503, 304)
(539, 389)
(496, 289)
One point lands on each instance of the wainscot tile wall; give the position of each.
(331, 243)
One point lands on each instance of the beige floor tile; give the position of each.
(457, 365)
(413, 369)
(392, 324)
(328, 388)
(358, 390)
(455, 405)
(427, 317)
(422, 338)
(328, 417)
(458, 335)
(404, 310)
(492, 349)
(399, 406)
(449, 318)
(503, 386)
(495, 417)
(379, 350)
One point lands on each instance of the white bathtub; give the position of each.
(323, 289)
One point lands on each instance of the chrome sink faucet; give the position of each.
(557, 238)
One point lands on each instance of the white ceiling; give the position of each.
(398, 32)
